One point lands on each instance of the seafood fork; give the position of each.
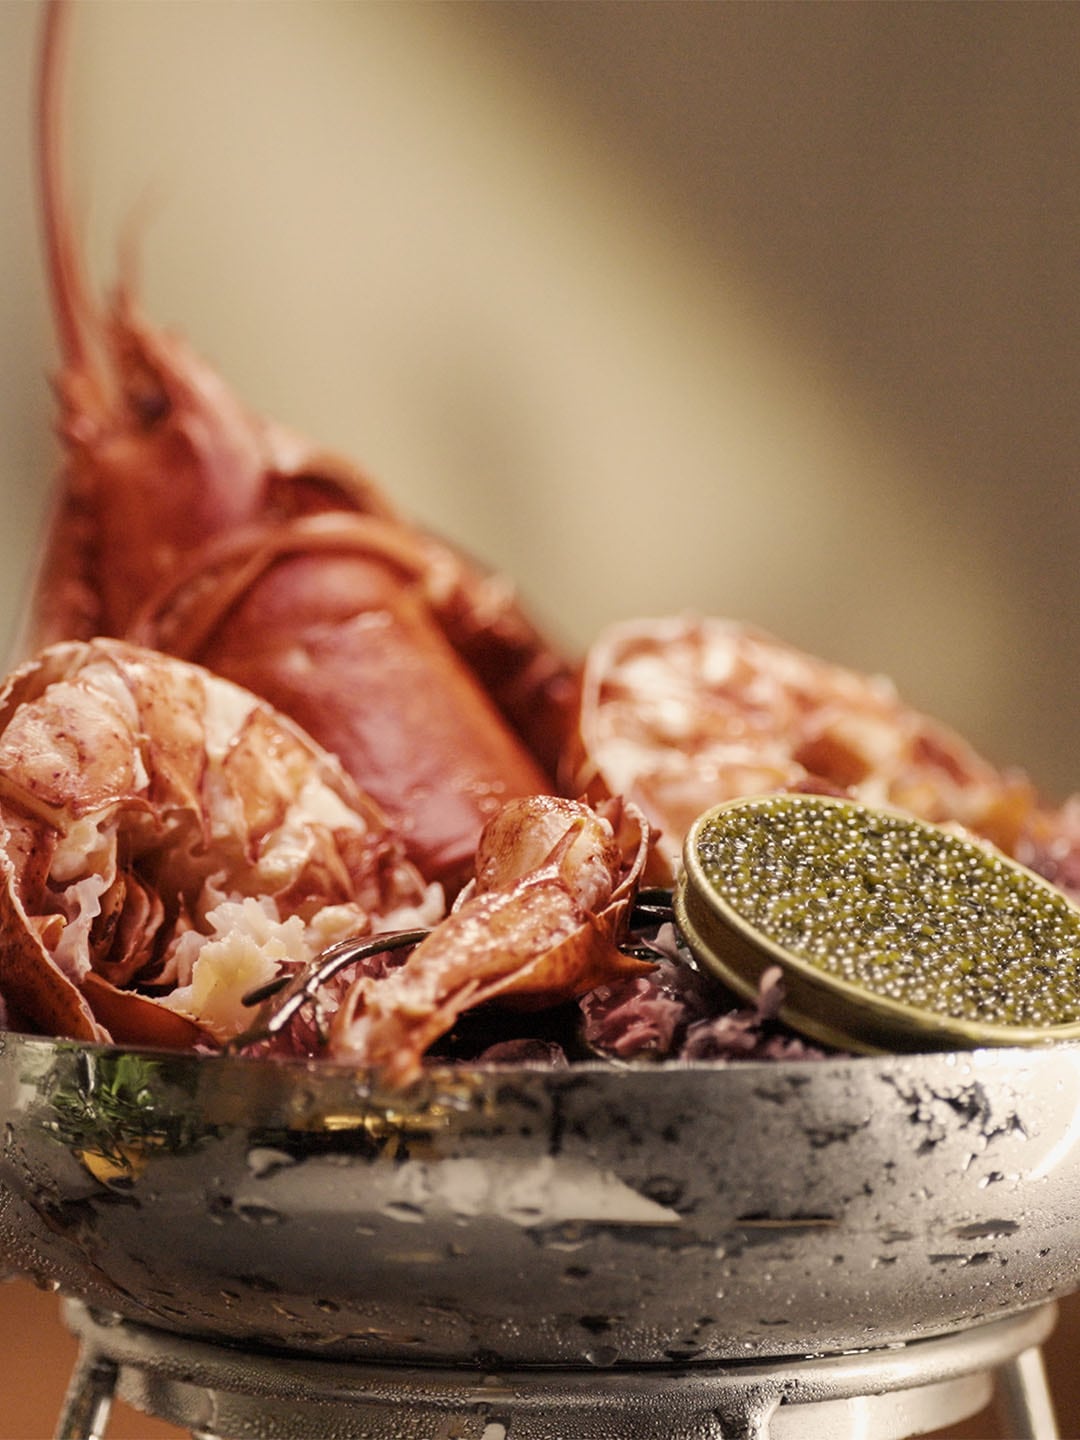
(282, 998)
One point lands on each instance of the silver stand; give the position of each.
(220, 1393)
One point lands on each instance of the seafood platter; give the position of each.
(412, 1029)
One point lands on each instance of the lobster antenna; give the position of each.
(67, 284)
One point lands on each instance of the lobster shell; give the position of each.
(188, 524)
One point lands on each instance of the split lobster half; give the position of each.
(683, 712)
(167, 843)
(188, 525)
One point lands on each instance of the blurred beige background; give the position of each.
(764, 310)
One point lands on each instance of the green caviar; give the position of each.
(905, 910)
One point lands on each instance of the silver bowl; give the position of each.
(511, 1216)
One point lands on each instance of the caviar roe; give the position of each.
(899, 908)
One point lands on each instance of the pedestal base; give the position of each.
(221, 1393)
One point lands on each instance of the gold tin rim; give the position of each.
(823, 1007)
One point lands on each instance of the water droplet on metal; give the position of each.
(405, 1211)
(602, 1356)
(262, 1160)
(256, 1214)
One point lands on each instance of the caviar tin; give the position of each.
(890, 934)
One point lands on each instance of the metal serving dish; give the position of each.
(594, 1214)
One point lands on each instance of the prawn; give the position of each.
(187, 524)
(539, 924)
(167, 841)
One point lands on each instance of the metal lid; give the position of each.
(890, 933)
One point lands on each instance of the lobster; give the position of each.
(167, 842)
(186, 524)
(682, 712)
(539, 923)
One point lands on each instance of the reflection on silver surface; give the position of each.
(597, 1215)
